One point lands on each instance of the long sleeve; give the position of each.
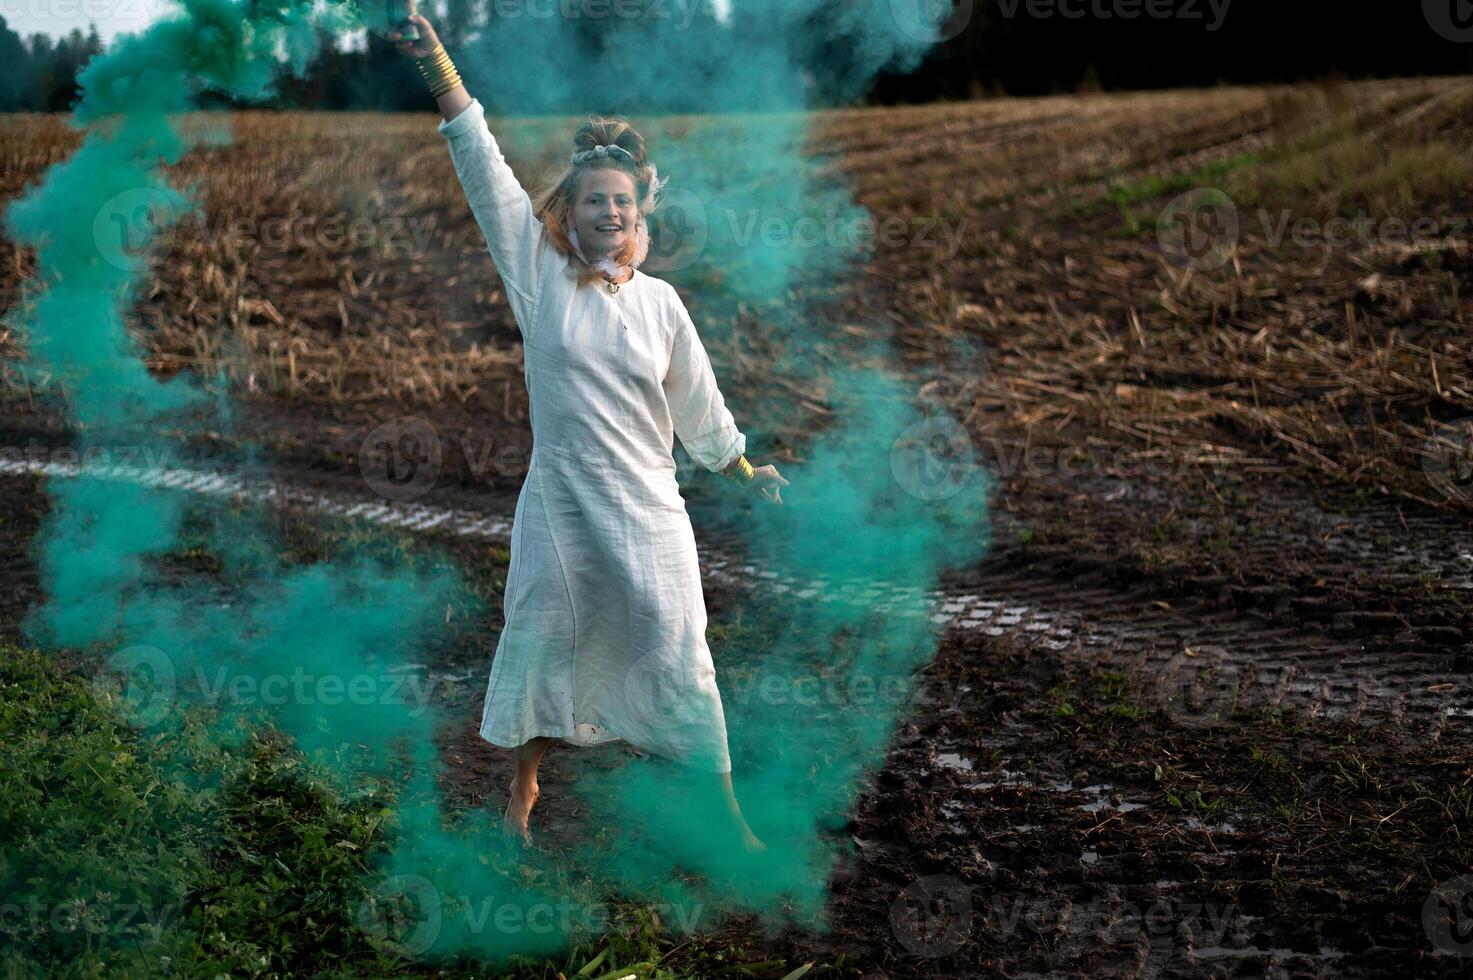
(702, 421)
(516, 239)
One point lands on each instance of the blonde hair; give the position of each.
(554, 204)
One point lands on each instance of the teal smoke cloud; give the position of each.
(742, 80)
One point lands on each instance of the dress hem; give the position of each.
(569, 739)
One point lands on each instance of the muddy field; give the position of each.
(1205, 707)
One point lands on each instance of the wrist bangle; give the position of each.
(740, 466)
(438, 71)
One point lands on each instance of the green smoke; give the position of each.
(860, 507)
(750, 217)
(249, 631)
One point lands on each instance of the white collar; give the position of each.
(613, 269)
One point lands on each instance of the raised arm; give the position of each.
(502, 209)
(453, 101)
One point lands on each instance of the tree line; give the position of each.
(39, 74)
(994, 47)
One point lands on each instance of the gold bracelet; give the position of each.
(438, 71)
(740, 465)
(435, 62)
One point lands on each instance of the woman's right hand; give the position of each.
(427, 42)
(769, 482)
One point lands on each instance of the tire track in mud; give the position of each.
(1199, 660)
(1196, 656)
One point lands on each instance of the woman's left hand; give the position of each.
(767, 480)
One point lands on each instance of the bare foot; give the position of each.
(518, 809)
(750, 842)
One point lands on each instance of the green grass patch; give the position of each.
(1344, 170)
(1115, 692)
(1322, 161)
(131, 853)
(196, 851)
(1060, 697)
(1187, 794)
(1127, 197)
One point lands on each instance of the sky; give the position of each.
(58, 17)
(113, 17)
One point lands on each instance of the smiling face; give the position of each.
(604, 211)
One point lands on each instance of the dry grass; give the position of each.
(1349, 361)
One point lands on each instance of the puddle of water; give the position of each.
(1226, 827)
(953, 761)
(1100, 805)
(1009, 778)
(1272, 952)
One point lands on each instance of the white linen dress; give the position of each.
(605, 634)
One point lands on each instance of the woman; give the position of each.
(605, 618)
